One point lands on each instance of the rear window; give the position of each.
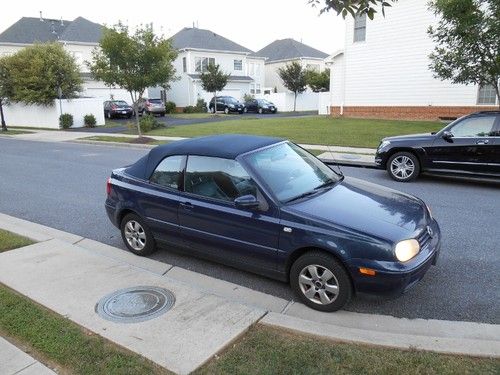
(120, 102)
(156, 101)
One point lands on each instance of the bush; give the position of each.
(148, 123)
(89, 121)
(170, 107)
(200, 107)
(189, 109)
(66, 121)
(248, 97)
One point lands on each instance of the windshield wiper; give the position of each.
(303, 195)
(329, 182)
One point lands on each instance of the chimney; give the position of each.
(41, 18)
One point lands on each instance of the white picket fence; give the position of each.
(307, 101)
(38, 116)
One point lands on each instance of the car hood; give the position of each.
(365, 207)
(422, 136)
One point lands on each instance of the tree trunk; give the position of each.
(294, 100)
(497, 90)
(215, 102)
(4, 126)
(135, 105)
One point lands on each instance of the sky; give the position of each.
(251, 23)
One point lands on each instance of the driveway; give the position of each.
(172, 120)
(63, 186)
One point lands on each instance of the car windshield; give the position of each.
(263, 101)
(231, 100)
(291, 172)
(120, 102)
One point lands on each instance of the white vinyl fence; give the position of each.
(38, 116)
(307, 101)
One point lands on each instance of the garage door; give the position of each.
(235, 93)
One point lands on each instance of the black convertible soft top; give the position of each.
(227, 146)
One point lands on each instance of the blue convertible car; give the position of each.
(268, 206)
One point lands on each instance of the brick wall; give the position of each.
(408, 112)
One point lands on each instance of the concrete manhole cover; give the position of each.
(137, 304)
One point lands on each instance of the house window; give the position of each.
(314, 67)
(486, 95)
(238, 65)
(184, 65)
(255, 88)
(360, 28)
(202, 63)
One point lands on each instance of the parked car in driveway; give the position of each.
(227, 104)
(151, 107)
(268, 206)
(117, 108)
(260, 106)
(469, 145)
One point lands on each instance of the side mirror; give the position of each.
(246, 201)
(447, 136)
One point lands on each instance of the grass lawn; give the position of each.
(192, 115)
(57, 341)
(14, 132)
(322, 130)
(271, 351)
(9, 241)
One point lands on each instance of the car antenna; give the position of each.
(335, 163)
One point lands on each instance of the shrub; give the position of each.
(89, 121)
(248, 97)
(201, 105)
(170, 107)
(148, 123)
(189, 109)
(66, 121)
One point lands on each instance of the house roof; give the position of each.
(231, 78)
(29, 30)
(192, 37)
(288, 49)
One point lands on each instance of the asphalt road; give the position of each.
(62, 185)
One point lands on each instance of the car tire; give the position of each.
(226, 110)
(260, 111)
(403, 166)
(321, 281)
(245, 110)
(137, 236)
(129, 116)
(212, 110)
(109, 115)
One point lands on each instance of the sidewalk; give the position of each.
(15, 361)
(334, 154)
(70, 274)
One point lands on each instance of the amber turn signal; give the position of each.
(367, 271)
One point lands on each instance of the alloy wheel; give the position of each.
(402, 167)
(318, 284)
(135, 235)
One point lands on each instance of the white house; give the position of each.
(282, 52)
(79, 37)
(383, 70)
(197, 49)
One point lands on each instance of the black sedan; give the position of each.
(227, 104)
(468, 146)
(260, 106)
(268, 206)
(117, 108)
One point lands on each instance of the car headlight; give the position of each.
(384, 144)
(265, 106)
(231, 105)
(407, 249)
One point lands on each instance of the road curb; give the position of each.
(467, 338)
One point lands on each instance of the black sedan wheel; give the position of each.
(320, 281)
(137, 236)
(245, 109)
(403, 166)
(226, 110)
(109, 116)
(260, 111)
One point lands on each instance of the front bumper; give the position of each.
(395, 278)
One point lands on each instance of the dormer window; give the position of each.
(360, 28)
(238, 64)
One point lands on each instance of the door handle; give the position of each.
(482, 142)
(186, 205)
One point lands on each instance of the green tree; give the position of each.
(37, 73)
(294, 79)
(318, 81)
(133, 61)
(353, 7)
(214, 80)
(467, 39)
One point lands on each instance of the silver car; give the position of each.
(152, 106)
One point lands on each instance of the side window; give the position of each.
(168, 172)
(360, 28)
(474, 127)
(217, 178)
